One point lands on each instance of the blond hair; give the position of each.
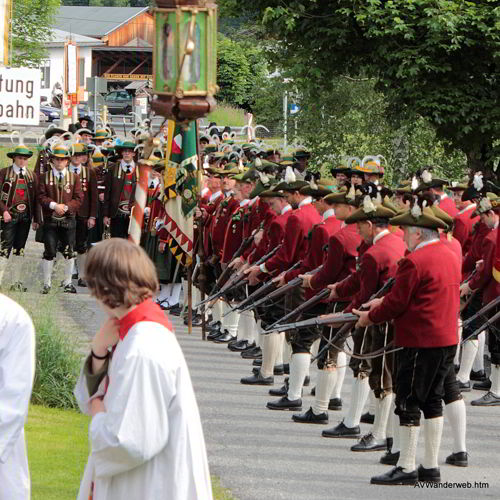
(120, 273)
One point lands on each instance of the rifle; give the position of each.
(303, 307)
(245, 244)
(268, 295)
(284, 289)
(239, 279)
(343, 333)
(481, 312)
(333, 319)
(486, 324)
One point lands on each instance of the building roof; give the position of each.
(94, 21)
(59, 37)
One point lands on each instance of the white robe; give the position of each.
(17, 370)
(149, 443)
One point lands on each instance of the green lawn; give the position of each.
(57, 453)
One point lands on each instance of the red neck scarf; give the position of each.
(145, 311)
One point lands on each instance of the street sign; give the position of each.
(294, 109)
(96, 85)
(20, 96)
(126, 76)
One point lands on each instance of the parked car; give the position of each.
(119, 102)
(50, 112)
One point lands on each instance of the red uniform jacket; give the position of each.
(483, 279)
(378, 263)
(454, 245)
(341, 258)
(234, 234)
(88, 180)
(448, 205)
(210, 208)
(221, 221)
(479, 233)
(317, 239)
(462, 227)
(425, 299)
(294, 248)
(274, 230)
(115, 194)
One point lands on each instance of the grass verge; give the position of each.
(226, 115)
(58, 450)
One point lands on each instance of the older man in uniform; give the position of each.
(424, 306)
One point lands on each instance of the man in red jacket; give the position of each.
(484, 284)
(424, 306)
(294, 249)
(377, 265)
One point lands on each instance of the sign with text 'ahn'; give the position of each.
(19, 96)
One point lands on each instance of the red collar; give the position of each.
(145, 311)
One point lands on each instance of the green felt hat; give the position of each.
(488, 202)
(344, 196)
(371, 209)
(79, 149)
(341, 169)
(273, 192)
(261, 187)
(20, 151)
(442, 215)
(292, 186)
(60, 151)
(301, 153)
(102, 133)
(403, 187)
(50, 132)
(458, 186)
(211, 148)
(287, 161)
(98, 158)
(319, 188)
(125, 145)
(418, 217)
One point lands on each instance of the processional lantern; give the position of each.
(185, 58)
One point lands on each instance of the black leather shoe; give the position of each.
(396, 476)
(196, 320)
(255, 353)
(369, 443)
(489, 399)
(257, 362)
(286, 367)
(389, 458)
(74, 276)
(278, 370)
(282, 391)
(429, 475)
(215, 327)
(479, 375)
(45, 290)
(249, 347)
(82, 282)
(367, 418)
(18, 287)
(485, 385)
(460, 459)
(214, 334)
(69, 288)
(335, 404)
(257, 380)
(341, 431)
(175, 310)
(313, 391)
(285, 404)
(307, 380)
(237, 345)
(464, 386)
(309, 417)
(224, 339)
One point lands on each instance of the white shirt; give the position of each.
(380, 235)
(253, 200)
(305, 201)
(18, 170)
(285, 209)
(57, 173)
(126, 166)
(329, 213)
(425, 243)
(150, 438)
(76, 169)
(204, 191)
(215, 196)
(17, 359)
(443, 196)
(244, 202)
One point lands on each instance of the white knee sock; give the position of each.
(299, 368)
(456, 359)
(341, 369)
(258, 336)
(469, 351)
(281, 347)
(359, 394)
(456, 415)
(286, 352)
(433, 429)
(68, 271)
(17, 267)
(372, 402)
(47, 266)
(408, 436)
(80, 259)
(495, 380)
(382, 413)
(315, 347)
(479, 360)
(3, 267)
(395, 428)
(230, 322)
(324, 387)
(270, 347)
(242, 327)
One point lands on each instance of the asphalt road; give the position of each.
(261, 454)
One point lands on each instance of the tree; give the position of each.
(436, 59)
(31, 23)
